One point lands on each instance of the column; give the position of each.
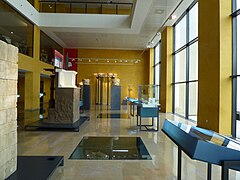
(8, 109)
(166, 69)
(215, 66)
(32, 97)
(151, 68)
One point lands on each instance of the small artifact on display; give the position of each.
(116, 82)
(148, 95)
(67, 95)
(66, 78)
(86, 81)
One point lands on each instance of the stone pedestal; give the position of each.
(66, 109)
(8, 110)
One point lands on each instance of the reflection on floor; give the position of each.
(163, 165)
(113, 115)
(115, 148)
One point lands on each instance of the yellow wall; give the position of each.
(34, 68)
(166, 69)
(215, 66)
(128, 74)
(47, 84)
(21, 92)
(151, 68)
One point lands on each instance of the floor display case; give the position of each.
(86, 97)
(147, 107)
(204, 145)
(148, 94)
(115, 97)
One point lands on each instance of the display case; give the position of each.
(204, 145)
(148, 94)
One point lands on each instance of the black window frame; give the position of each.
(176, 51)
(235, 14)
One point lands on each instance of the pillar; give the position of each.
(215, 66)
(32, 90)
(151, 64)
(166, 69)
(8, 109)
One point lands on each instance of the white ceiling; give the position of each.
(107, 31)
(155, 13)
(148, 15)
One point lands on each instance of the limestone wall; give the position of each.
(8, 109)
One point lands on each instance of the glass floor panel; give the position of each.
(113, 115)
(111, 148)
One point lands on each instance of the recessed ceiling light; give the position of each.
(148, 46)
(172, 17)
(159, 11)
(11, 32)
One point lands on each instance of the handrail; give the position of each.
(72, 3)
(84, 2)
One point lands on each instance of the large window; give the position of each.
(236, 68)
(185, 79)
(15, 29)
(157, 68)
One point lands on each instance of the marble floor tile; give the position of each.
(163, 151)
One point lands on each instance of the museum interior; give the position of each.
(119, 89)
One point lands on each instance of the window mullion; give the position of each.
(187, 66)
(234, 72)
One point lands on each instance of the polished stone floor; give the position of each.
(162, 150)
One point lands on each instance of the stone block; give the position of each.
(11, 87)
(10, 102)
(3, 87)
(3, 70)
(3, 50)
(11, 138)
(10, 167)
(11, 152)
(12, 54)
(3, 117)
(2, 158)
(2, 103)
(2, 170)
(11, 126)
(11, 114)
(3, 142)
(12, 71)
(66, 109)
